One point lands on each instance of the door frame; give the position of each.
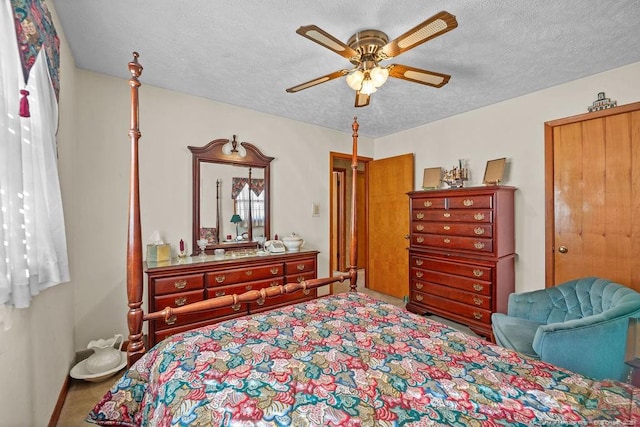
(364, 160)
(549, 170)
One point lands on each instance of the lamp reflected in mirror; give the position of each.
(235, 219)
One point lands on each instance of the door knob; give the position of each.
(406, 236)
(563, 249)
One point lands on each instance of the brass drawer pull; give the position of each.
(300, 279)
(446, 214)
(306, 291)
(180, 284)
(446, 227)
(260, 301)
(477, 301)
(428, 204)
(477, 272)
(219, 293)
(220, 278)
(479, 216)
(180, 301)
(478, 287)
(171, 320)
(479, 245)
(419, 262)
(248, 287)
(248, 272)
(478, 230)
(419, 285)
(477, 315)
(419, 297)
(420, 215)
(447, 240)
(468, 202)
(274, 270)
(236, 307)
(419, 274)
(419, 227)
(300, 267)
(420, 239)
(273, 284)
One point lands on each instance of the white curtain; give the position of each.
(33, 248)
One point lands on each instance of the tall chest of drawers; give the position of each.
(462, 253)
(181, 282)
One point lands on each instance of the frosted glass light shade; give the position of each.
(354, 80)
(379, 76)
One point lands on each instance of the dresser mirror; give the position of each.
(230, 195)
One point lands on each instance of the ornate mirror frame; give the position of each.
(225, 151)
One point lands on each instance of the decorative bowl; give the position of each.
(293, 242)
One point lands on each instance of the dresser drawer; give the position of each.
(302, 266)
(187, 319)
(297, 278)
(458, 282)
(163, 333)
(178, 299)
(454, 229)
(454, 215)
(473, 313)
(429, 203)
(471, 202)
(219, 291)
(457, 268)
(249, 274)
(453, 242)
(283, 299)
(470, 298)
(174, 284)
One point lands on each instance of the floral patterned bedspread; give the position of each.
(350, 360)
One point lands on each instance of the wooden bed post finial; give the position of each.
(135, 349)
(353, 254)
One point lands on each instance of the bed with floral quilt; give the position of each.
(351, 360)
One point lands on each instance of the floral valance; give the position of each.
(237, 184)
(35, 31)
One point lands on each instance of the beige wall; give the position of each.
(513, 129)
(38, 351)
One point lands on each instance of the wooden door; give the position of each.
(593, 196)
(389, 182)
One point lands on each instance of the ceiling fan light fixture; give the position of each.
(379, 75)
(368, 87)
(354, 80)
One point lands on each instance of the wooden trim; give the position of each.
(57, 410)
(595, 115)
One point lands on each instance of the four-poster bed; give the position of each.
(344, 359)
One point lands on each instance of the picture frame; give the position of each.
(494, 171)
(431, 178)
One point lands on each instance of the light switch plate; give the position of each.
(315, 209)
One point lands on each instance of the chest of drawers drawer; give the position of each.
(475, 314)
(453, 242)
(453, 281)
(474, 299)
(474, 271)
(453, 229)
(454, 215)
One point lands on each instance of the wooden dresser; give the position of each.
(183, 281)
(461, 257)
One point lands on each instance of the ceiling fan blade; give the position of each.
(418, 75)
(325, 39)
(362, 100)
(317, 81)
(433, 27)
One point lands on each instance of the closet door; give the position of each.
(593, 196)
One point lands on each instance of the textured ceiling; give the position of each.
(246, 52)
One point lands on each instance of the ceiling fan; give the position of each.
(366, 49)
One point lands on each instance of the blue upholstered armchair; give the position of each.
(580, 325)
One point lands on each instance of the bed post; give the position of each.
(353, 255)
(135, 348)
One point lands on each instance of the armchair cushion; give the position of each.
(580, 325)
